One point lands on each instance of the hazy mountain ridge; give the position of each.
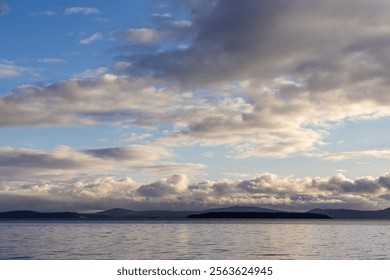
(258, 215)
(233, 212)
(353, 214)
(125, 214)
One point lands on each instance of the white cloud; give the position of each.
(134, 137)
(208, 154)
(142, 35)
(51, 60)
(45, 13)
(94, 37)
(121, 66)
(92, 73)
(165, 187)
(183, 23)
(81, 10)
(164, 16)
(10, 70)
(336, 156)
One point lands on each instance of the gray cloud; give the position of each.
(64, 162)
(132, 153)
(290, 62)
(252, 39)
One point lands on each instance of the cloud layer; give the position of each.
(28, 165)
(177, 192)
(268, 78)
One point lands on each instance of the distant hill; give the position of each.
(234, 212)
(242, 209)
(257, 215)
(32, 215)
(126, 214)
(116, 212)
(353, 214)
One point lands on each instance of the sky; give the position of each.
(194, 104)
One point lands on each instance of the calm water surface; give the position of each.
(211, 239)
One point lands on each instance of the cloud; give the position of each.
(178, 192)
(134, 137)
(92, 73)
(298, 67)
(251, 39)
(142, 35)
(336, 156)
(263, 79)
(107, 99)
(173, 185)
(51, 60)
(164, 29)
(64, 162)
(45, 13)
(94, 37)
(81, 10)
(4, 8)
(132, 153)
(23, 163)
(10, 70)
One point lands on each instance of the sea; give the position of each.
(196, 240)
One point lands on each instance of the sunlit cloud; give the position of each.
(266, 189)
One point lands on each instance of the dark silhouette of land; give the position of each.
(353, 214)
(257, 215)
(234, 212)
(32, 215)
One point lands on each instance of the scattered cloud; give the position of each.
(51, 60)
(336, 156)
(45, 13)
(94, 37)
(134, 137)
(165, 16)
(208, 154)
(183, 23)
(4, 8)
(10, 70)
(81, 10)
(142, 35)
(92, 73)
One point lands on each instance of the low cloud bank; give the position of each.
(178, 192)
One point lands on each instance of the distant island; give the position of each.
(234, 212)
(257, 215)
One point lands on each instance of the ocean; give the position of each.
(196, 240)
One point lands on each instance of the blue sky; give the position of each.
(194, 104)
